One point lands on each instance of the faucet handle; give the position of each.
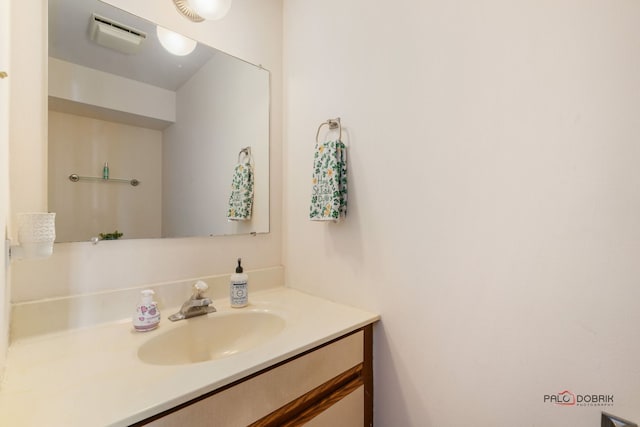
(199, 288)
(200, 302)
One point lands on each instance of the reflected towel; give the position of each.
(241, 199)
(329, 190)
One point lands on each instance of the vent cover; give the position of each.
(114, 35)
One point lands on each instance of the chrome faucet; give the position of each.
(196, 305)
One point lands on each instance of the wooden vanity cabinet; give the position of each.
(330, 385)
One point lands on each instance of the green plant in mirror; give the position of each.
(111, 236)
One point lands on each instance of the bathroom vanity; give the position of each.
(330, 384)
(314, 368)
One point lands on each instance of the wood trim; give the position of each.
(311, 404)
(367, 373)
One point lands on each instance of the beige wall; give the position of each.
(494, 199)
(85, 209)
(4, 174)
(28, 106)
(252, 30)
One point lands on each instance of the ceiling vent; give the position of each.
(114, 35)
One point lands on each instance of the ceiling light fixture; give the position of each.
(199, 10)
(175, 43)
(211, 9)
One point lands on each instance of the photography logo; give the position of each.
(567, 398)
(564, 398)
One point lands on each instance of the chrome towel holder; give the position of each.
(246, 151)
(333, 124)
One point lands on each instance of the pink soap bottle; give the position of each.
(147, 315)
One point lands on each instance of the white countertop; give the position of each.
(93, 376)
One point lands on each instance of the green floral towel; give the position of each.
(241, 200)
(329, 191)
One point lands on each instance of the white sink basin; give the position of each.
(211, 337)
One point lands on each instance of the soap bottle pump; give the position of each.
(239, 287)
(147, 315)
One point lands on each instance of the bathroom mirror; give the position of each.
(123, 110)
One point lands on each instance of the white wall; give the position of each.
(494, 216)
(22, 182)
(4, 175)
(223, 108)
(104, 91)
(253, 31)
(28, 106)
(81, 145)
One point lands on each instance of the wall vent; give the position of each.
(114, 35)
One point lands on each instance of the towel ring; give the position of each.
(246, 151)
(333, 124)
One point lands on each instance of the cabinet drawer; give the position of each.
(258, 396)
(347, 412)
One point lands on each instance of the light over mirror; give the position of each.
(145, 142)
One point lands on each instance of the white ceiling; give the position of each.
(69, 40)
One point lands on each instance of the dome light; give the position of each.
(211, 9)
(175, 43)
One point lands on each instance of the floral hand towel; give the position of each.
(241, 200)
(329, 182)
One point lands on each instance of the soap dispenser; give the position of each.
(105, 171)
(147, 315)
(239, 285)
